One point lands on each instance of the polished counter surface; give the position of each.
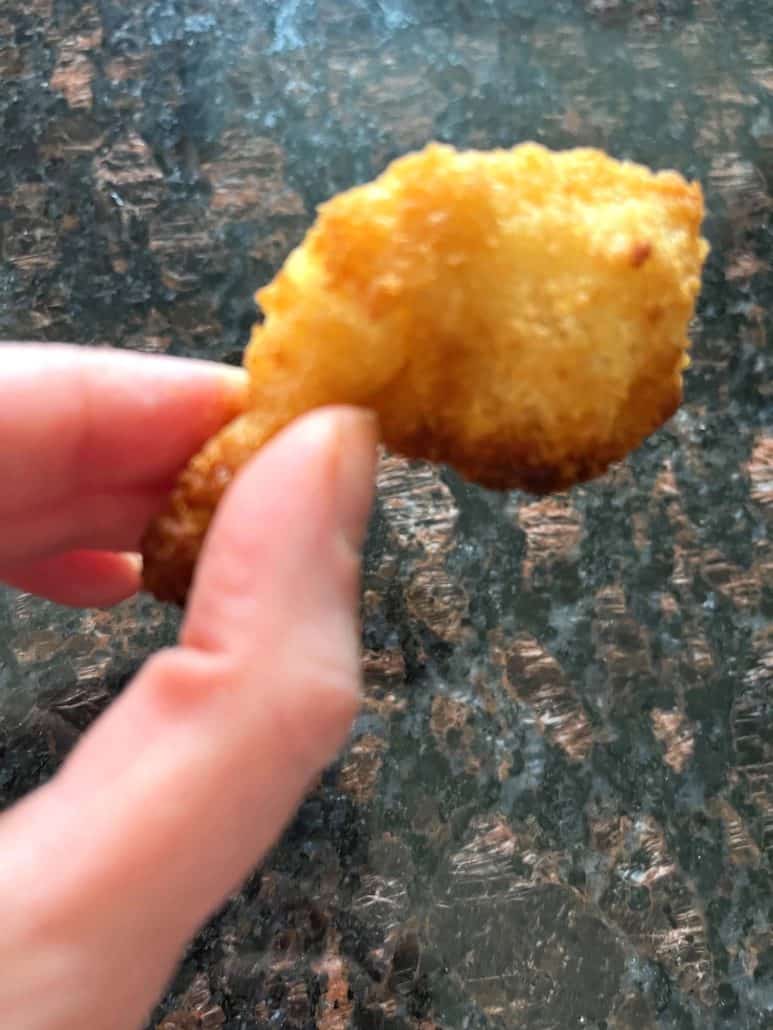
(557, 807)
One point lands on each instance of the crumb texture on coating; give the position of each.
(520, 315)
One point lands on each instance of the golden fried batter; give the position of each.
(521, 315)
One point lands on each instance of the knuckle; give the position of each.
(178, 679)
(314, 715)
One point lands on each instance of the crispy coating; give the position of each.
(520, 315)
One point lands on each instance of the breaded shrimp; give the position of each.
(521, 315)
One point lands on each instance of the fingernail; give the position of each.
(134, 560)
(355, 469)
(236, 384)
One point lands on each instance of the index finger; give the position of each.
(76, 420)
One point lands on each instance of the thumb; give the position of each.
(190, 777)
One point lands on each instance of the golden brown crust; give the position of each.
(521, 315)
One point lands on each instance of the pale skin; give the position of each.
(105, 872)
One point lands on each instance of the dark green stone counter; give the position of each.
(557, 809)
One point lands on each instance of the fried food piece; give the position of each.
(520, 315)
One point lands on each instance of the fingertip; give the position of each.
(235, 378)
(133, 562)
(288, 530)
(79, 579)
(235, 383)
(193, 378)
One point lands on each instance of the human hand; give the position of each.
(106, 871)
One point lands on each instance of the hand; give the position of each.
(106, 871)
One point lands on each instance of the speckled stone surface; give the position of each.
(557, 808)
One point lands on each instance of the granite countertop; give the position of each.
(557, 808)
